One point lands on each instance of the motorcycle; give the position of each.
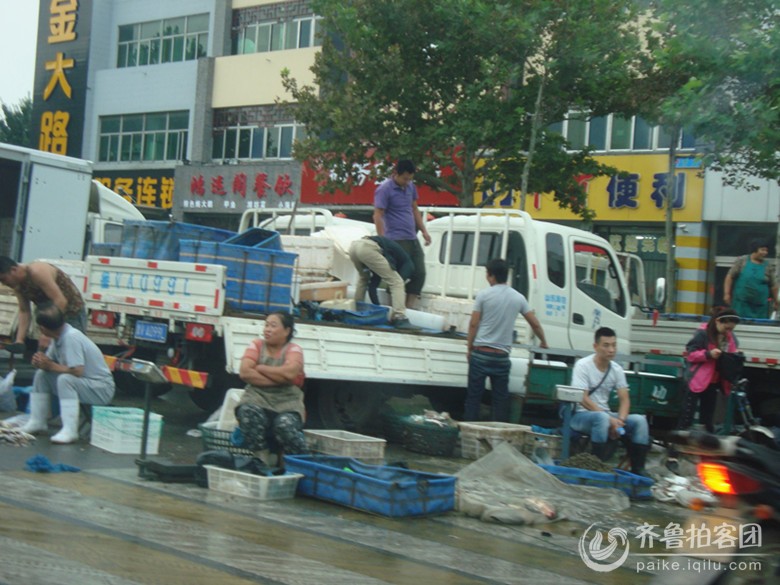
(744, 475)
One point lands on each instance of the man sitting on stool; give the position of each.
(72, 367)
(599, 376)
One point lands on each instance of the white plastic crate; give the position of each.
(118, 430)
(345, 444)
(260, 487)
(480, 438)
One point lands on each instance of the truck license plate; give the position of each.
(148, 331)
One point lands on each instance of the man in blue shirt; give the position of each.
(397, 217)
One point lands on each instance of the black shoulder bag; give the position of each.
(562, 407)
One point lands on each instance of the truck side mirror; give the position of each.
(660, 292)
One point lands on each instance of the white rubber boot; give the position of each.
(40, 409)
(69, 413)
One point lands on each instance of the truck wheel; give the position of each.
(210, 399)
(346, 406)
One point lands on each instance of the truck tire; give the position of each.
(129, 385)
(210, 398)
(337, 405)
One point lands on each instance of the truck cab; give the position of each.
(572, 279)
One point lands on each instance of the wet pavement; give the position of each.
(107, 525)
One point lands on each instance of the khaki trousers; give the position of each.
(367, 257)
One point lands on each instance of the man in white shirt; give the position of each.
(601, 376)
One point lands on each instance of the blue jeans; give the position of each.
(481, 366)
(596, 424)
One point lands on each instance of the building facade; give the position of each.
(181, 107)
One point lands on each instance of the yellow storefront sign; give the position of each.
(637, 195)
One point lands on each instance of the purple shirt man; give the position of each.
(397, 217)
(398, 202)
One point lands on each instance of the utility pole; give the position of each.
(671, 192)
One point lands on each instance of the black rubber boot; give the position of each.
(599, 450)
(637, 455)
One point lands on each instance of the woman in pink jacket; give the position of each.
(703, 351)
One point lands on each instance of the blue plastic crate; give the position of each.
(258, 279)
(634, 486)
(388, 491)
(160, 240)
(257, 238)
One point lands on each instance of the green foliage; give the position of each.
(457, 83)
(16, 123)
(722, 56)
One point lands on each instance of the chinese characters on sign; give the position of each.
(151, 188)
(241, 191)
(61, 90)
(622, 192)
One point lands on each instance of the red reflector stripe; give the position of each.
(97, 296)
(154, 303)
(104, 260)
(151, 264)
(191, 378)
(130, 300)
(216, 298)
(200, 268)
(771, 361)
(200, 309)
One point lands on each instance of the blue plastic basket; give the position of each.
(636, 487)
(257, 238)
(258, 279)
(380, 489)
(160, 240)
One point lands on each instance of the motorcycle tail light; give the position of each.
(722, 480)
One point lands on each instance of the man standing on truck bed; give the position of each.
(397, 217)
(491, 332)
(39, 283)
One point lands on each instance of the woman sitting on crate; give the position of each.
(711, 353)
(271, 410)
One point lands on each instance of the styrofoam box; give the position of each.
(315, 255)
(260, 487)
(346, 444)
(227, 414)
(119, 430)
